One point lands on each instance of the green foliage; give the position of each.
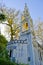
(3, 42)
(2, 17)
(3, 39)
(4, 55)
(23, 64)
(6, 62)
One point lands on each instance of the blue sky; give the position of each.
(35, 6)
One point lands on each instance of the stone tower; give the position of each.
(26, 34)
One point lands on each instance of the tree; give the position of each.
(3, 43)
(39, 31)
(11, 16)
(2, 14)
(3, 50)
(15, 31)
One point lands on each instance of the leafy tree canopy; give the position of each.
(3, 42)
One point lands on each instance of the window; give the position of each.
(25, 26)
(28, 58)
(10, 53)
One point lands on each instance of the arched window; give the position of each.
(10, 53)
(25, 26)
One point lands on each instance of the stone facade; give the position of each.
(25, 50)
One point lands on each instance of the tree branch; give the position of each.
(6, 24)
